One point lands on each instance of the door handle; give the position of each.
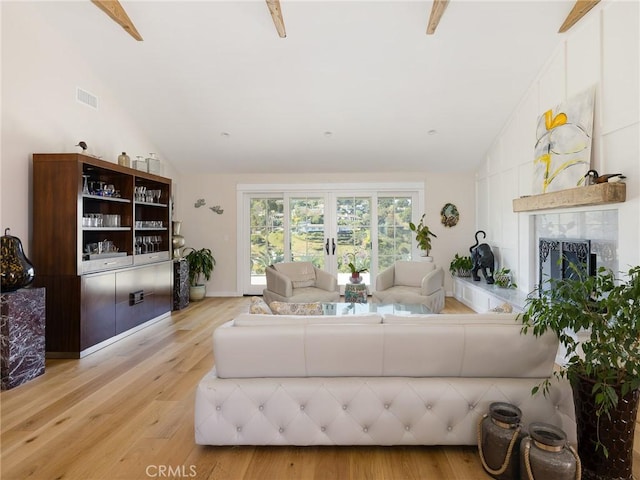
(333, 245)
(326, 246)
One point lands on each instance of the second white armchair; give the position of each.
(411, 283)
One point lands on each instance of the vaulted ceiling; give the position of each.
(354, 85)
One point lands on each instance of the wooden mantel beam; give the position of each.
(276, 15)
(437, 9)
(118, 15)
(579, 10)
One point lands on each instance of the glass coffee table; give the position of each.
(388, 308)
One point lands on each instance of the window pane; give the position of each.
(394, 235)
(354, 236)
(307, 230)
(267, 235)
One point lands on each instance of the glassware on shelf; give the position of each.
(140, 194)
(85, 185)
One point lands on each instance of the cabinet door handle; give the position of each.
(326, 246)
(333, 244)
(136, 297)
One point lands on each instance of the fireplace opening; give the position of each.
(556, 255)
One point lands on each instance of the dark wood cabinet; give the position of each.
(98, 309)
(101, 247)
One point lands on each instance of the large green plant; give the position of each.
(201, 264)
(423, 234)
(607, 310)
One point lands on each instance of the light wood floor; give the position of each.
(126, 412)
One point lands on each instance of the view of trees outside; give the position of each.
(306, 219)
(267, 233)
(353, 235)
(394, 235)
(354, 232)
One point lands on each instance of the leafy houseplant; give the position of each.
(597, 320)
(461, 266)
(423, 235)
(502, 278)
(201, 264)
(356, 262)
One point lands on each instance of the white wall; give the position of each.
(603, 49)
(203, 228)
(40, 73)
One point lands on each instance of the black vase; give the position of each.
(615, 433)
(17, 270)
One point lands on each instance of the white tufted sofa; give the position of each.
(372, 380)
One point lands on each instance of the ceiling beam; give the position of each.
(276, 15)
(118, 15)
(579, 10)
(437, 9)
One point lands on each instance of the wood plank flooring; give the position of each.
(126, 412)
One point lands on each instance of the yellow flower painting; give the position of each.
(563, 144)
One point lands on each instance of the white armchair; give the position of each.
(299, 282)
(411, 283)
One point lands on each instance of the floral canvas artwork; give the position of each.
(563, 144)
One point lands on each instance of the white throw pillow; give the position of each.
(301, 274)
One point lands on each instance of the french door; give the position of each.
(368, 227)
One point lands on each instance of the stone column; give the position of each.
(22, 336)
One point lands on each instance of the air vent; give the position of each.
(86, 98)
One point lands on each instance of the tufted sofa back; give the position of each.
(414, 346)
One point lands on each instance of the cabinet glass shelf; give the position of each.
(152, 204)
(106, 229)
(107, 199)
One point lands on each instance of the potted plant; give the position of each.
(461, 266)
(356, 262)
(201, 264)
(597, 320)
(423, 236)
(503, 279)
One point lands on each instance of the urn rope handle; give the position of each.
(507, 457)
(527, 461)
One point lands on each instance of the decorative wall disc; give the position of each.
(449, 215)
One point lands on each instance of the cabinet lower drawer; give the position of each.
(90, 266)
(151, 258)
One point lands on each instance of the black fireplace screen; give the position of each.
(558, 254)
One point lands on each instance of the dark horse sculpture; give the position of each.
(482, 258)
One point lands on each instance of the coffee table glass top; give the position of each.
(388, 308)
